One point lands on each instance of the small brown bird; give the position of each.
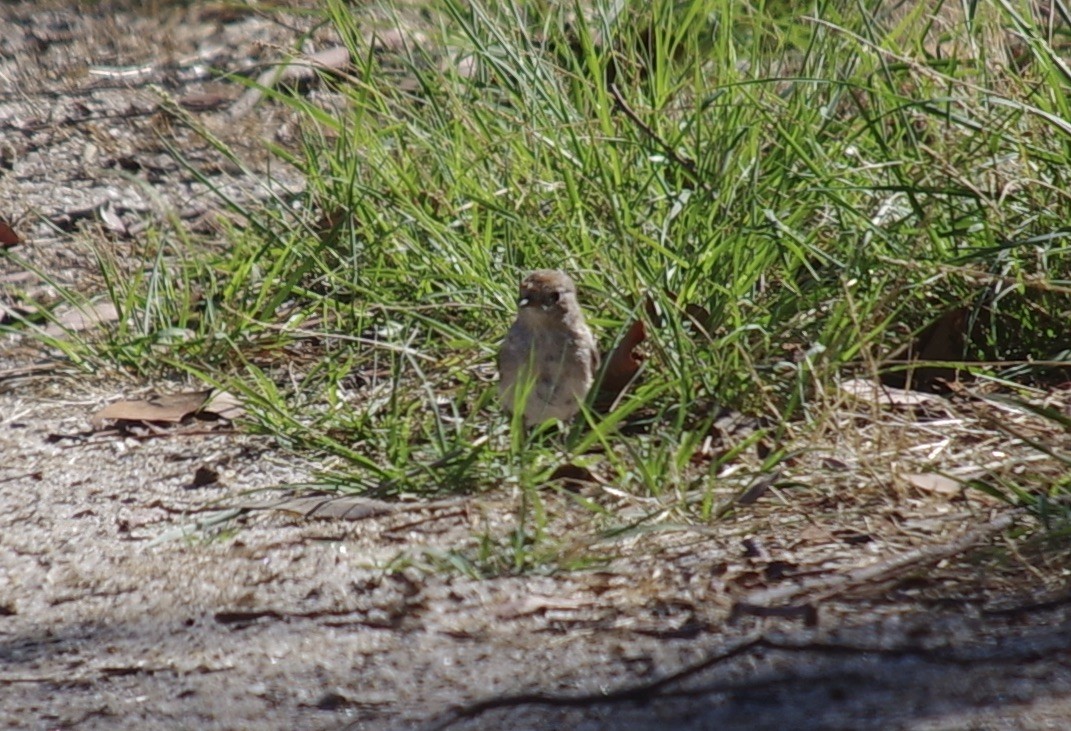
(549, 357)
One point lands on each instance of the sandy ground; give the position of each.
(111, 618)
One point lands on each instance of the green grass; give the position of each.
(799, 190)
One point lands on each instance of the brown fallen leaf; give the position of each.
(933, 482)
(169, 408)
(865, 389)
(758, 487)
(573, 477)
(699, 316)
(209, 97)
(203, 477)
(14, 312)
(945, 340)
(225, 405)
(68, 319)
(395, 40)
(8, 237)
(345, 507)
(622, 365)
(111, 220)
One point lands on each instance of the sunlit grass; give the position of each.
(785, 195)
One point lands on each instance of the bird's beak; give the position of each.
(524, 302)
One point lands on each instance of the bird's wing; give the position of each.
(506, 351)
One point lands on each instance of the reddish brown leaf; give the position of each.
(8, 237)
(203, 477)
(945, 340)
(621, 366)
(758, 488)
(700, 316)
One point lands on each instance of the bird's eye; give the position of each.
(553, 297)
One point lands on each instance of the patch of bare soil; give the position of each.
(854, 594)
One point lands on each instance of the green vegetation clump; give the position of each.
(785, 194)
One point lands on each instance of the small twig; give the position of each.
(688, 166)
(826, 587)
(977, 276)
(633, 693)
(12, 478)
(659, 687)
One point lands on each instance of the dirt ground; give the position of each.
(820, 608)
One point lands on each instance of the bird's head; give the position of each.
(547, 293)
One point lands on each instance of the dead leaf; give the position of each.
(8, 237)
(700, 317)
(395, 40)
(621, 366)
(944, 340)
(13, 312)
(224, 12)
(758, 487)
(331, 220)
(170, 408)
(865, 389)
(70, 319)
(293, 73)
(225, 405)
(573, 477)
(111, 220)
(851, 537)
(934, 482)
(209, 97)
(205, 101)
(834, 464)
(345, 507)
(203, 477)
(18, 277)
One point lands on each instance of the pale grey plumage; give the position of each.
(549, 351)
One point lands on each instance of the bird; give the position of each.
(548, 359)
